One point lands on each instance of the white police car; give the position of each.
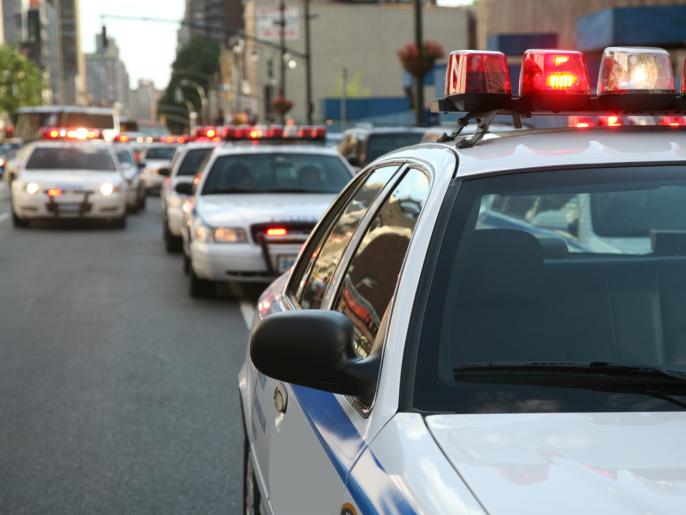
(156, 160)
(68, 180)
(184, 169)
(427, 354)
(135, 189)
(254, 207)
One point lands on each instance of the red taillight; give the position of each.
(276, 231)
(553, 72)
(54, 192)
(476, 71)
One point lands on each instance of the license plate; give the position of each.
(69, 207)
(283, 263)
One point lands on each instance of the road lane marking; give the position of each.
(248, 312)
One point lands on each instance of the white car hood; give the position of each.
(245, 209)
(70, 179)
(569, 463)
(156, 163)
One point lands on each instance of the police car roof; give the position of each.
(552, 148)
(269, 148)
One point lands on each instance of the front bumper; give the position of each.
(152, 181)
(244, 262)
(175, 219)
(69, 206)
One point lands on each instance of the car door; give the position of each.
(296, 470)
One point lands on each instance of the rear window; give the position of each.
(380, 144)
(163, 153)
(277, 173)
(192, 161)
(81, 157)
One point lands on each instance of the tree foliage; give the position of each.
(21, 80)
(197, 61)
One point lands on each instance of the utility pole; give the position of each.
(344, 96)
(282, 45)
(308, 63)
(418, 81)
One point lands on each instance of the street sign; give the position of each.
(268, 19)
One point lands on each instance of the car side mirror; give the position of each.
(164, 172)
(313, 348)
(184, 188)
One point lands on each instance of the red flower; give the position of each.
(420, 63)
(282, 105)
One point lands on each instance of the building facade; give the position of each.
(107, 79)
(143, 103)
(217, 20)
(356, 60)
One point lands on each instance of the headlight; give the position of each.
(108, 188)
(230, 235)
(32, 188)
(202, 233)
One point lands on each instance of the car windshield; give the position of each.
(531, 293)
(192, 161)
(380, 144)
(162, 153)
(276, 173)
(82, 157)
(125, 157)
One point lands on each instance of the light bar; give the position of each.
(70, 133)
(476, 77)
(631, 75)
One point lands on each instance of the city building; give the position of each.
(143, 101)
(512, 26)
(356, 64)
(218, 20)
(72, 76)
(13, 20)
(107, 79)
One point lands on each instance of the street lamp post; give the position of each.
(418, 80)
(201, 93)
(282, 45)
(308, 63)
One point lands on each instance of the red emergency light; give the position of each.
(70, 133)
(554, 79)
(275, 232)
(475, 78)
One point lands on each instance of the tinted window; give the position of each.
(81, 157)
(324, 259)
(125, 157)
(192, 161)
(373, 272)
(276, 173)
(513, 290)
(162, 153)
(380, 144)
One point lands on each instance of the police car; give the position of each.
(441, 347)
(135, 189)
(68, 178)
(254, 207)
(156, 160)
(184, 169)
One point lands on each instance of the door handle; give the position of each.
(280, 398)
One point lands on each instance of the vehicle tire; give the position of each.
(141, 200)
(119, 223)
(17, 222)
(200, 288)
(251, 492)
(172, 244)
(186, 265)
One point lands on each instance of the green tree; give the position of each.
(21, 80)
(197, 61)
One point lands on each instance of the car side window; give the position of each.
(370, 280)
(324, 259)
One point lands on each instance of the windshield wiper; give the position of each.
(594, 371)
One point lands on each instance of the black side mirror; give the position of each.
(164, 172)
(184, 188)
(141, 165)
(313, 348)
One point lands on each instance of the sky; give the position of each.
(147, 48)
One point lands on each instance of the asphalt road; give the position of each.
(118, 393)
